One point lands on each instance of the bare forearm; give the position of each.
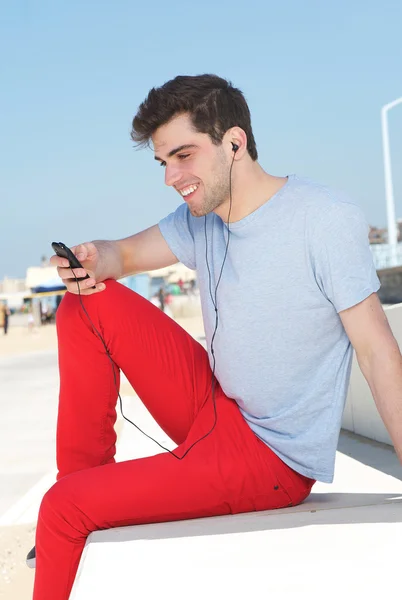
(144, 251)
(110, 259)
(383, 373)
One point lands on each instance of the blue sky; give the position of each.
(315, 75)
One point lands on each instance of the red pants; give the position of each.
(230, 471)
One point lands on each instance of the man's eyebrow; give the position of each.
(176, 150)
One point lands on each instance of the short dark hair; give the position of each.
(213, 104)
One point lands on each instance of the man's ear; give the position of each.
(238, 140)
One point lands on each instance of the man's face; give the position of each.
(194, 166)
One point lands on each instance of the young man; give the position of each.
(281, 358)
(4, 316)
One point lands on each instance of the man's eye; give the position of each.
(183, 156)
(162, 163)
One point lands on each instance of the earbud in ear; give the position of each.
(235, 147)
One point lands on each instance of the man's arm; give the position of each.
(145, 251)
(103, 259)
(380, 361)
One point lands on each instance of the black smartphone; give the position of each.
(62, 250)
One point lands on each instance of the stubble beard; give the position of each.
(218, 192)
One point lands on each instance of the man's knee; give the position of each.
(58, 510)
(71, 303)
(54, 502)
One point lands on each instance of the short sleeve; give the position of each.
(342, 260)
(177, 230)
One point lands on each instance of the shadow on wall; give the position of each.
(391, 285)
(371, 453)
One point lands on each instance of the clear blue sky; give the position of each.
(73, 73)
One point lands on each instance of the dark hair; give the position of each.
(213, 104)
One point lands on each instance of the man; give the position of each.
(267, 428)
(161, 298)
(4, 316)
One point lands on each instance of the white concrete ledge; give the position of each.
(344, 540)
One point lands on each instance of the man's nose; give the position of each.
(172, 175)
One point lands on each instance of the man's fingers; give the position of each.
(57, 261)
(80, 251)
(71, 273)
(84, 283)
(95, 288)
(86, 288)
(85, 251)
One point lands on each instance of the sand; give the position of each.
(16, 580)
(20, 341)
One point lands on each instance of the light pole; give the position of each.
(389, 191)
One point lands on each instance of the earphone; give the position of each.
(235, 148)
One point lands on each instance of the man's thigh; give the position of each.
(228, 470)
(146, 490)
(166, 366)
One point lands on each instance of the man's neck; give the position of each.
(251, 188)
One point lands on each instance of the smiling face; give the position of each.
(198, 169)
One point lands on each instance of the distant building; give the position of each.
(37, 276)
(12, 291)
(399, 229)
(378, 236)
(12, 286)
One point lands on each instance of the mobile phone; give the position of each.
(62, 250)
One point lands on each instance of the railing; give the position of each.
(385, 256)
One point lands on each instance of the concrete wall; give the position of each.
(391, 285)
(361, 415)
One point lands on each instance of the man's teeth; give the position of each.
(188, 190)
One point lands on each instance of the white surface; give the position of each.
(29, 386)
(27, 508)
(361, 415)
(316, 555)
(343, 540)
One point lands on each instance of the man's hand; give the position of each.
(100, 260)
(139, 253)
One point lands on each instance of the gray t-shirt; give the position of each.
(281, 350)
